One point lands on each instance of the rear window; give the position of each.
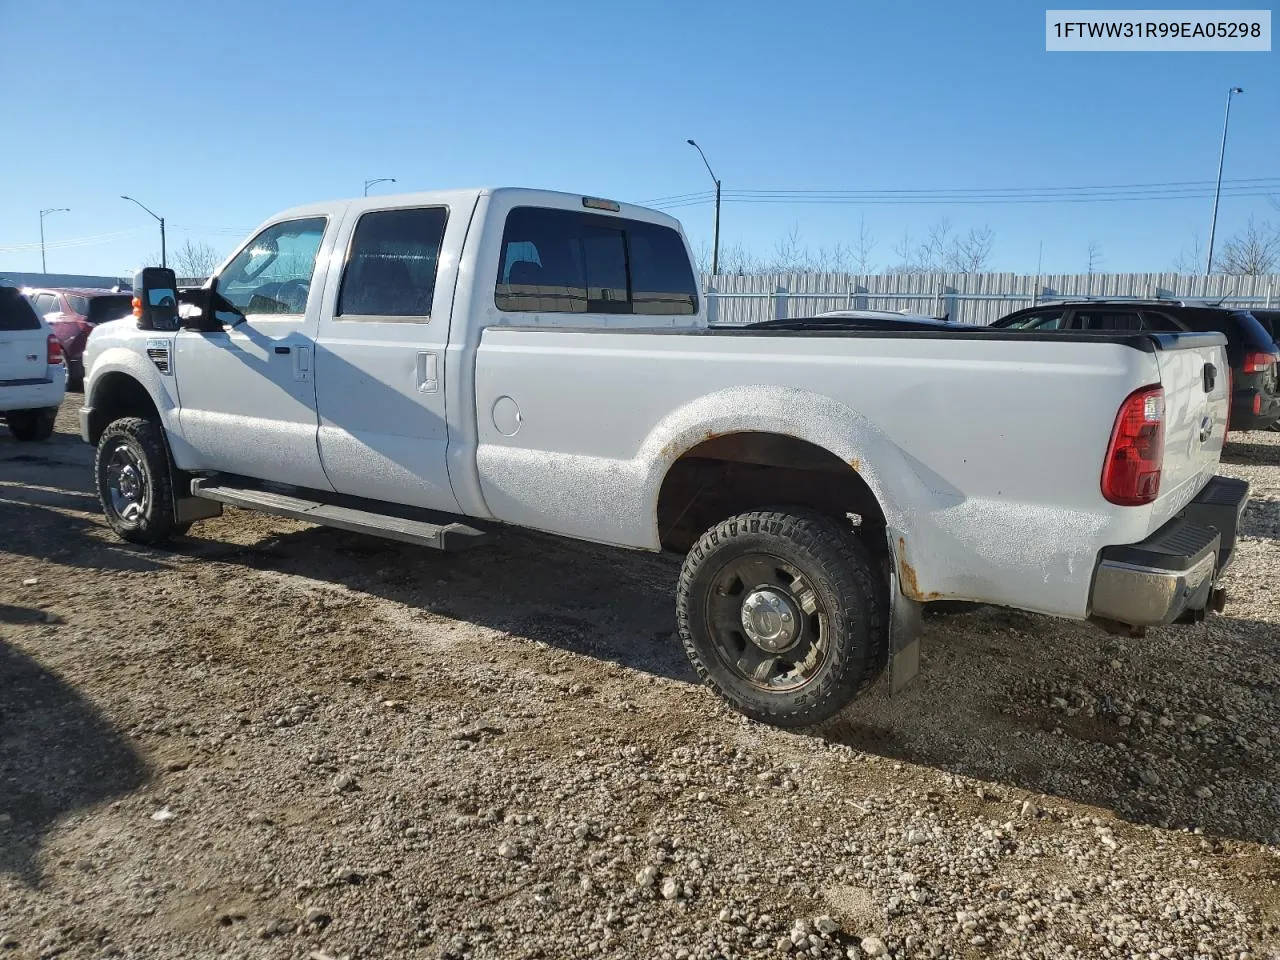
(1242, 330)
(16, 312)
(562, 261)
(113, 307)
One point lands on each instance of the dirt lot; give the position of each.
(280, 741)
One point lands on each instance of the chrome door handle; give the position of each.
(428, 375)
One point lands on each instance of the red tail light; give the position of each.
(1131, 472)
(1258, 362)
(54, 354)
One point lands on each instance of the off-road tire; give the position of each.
(144, 439)
(850, 589)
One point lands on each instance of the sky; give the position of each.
(218, 115)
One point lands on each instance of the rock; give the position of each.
(1029, 809)
(874, 947)
(30, 581)
(670, 889)
(786, 945)
(647, 877)
(163, 814)
(508, 850)
(344, 783)
(826, 925)
(1200, 721)
(1149, 777)
(1202, 792)
(1058, 703)
(8, 941)
(349, 875)
(1116, 665)
(1124, 720)
(582, 831)
(316, 917)
(917, 837)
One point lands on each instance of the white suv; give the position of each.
(33, 378)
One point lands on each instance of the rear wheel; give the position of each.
(30, 425)
(783, 614)
(134, 481)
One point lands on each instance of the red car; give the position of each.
(74, 311)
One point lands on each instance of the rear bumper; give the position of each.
(33, 394)
(1172, 574)
(1242, 409)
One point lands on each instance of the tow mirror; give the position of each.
(155, 298)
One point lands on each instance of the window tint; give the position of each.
(1108, 320)
(1042, 320)
(1160, 322)
(1270, 320)
(561, 261)
(113, 307)
(273, 273)
(16, 312)
(391, 270)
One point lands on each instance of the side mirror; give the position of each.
(155, 298)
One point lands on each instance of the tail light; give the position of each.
(1255, 361)
(1131, 472)
(1231, 402)
(54, 354)
(137, 306)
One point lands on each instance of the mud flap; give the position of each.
(905, 623)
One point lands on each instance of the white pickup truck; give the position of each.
(431, 367)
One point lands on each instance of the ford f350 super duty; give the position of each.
(432, 367)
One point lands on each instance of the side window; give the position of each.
(272, 275)
(44, 303)
(561, 261)
(391, 269)
(1042, 320)
(1160, 322)
(1121, 320)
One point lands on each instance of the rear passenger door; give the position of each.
(380, 354)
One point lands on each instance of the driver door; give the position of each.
(247, 392)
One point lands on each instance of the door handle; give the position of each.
(1210, 377)
(282, 349)
(301, 363)
(428, 372)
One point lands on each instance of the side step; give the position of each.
(406, 524)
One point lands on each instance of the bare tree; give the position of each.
(970, 254)
(1252, 251)
(1191, 259)
(195, 259)
(702, 257)
(1095, 257)
(863, 246)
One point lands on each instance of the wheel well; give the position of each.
(118, 395)
(730, 474)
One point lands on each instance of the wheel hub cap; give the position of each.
(770, 619)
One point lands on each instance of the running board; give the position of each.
(440, 532)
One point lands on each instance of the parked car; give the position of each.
(72, 313)
(1251, 350)
(436, 366)
(33, 378)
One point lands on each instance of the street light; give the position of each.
(1213, 222)
(43, 214)
(164, 262)
(715, 243)
(370, 183)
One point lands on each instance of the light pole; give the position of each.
(715, 243)
(43, 213)
(164, 261)
(370, 183)
(1222, 154)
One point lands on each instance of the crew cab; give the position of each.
(433, 367)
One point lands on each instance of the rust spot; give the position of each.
(911, 586)
(856, 464)
(675, 448)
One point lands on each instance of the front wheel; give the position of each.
(31, 425)
(783, 614)
(134, 481)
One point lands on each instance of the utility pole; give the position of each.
(164, 261)
(1222, 154)
(43, 213)
(715, 243)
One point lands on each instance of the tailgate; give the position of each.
(1196, 378)
(23, 355)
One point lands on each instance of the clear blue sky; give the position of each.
(217, 115)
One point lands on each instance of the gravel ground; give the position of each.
(282, 741)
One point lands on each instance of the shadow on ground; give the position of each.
(1250, 452)
(58, 754)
